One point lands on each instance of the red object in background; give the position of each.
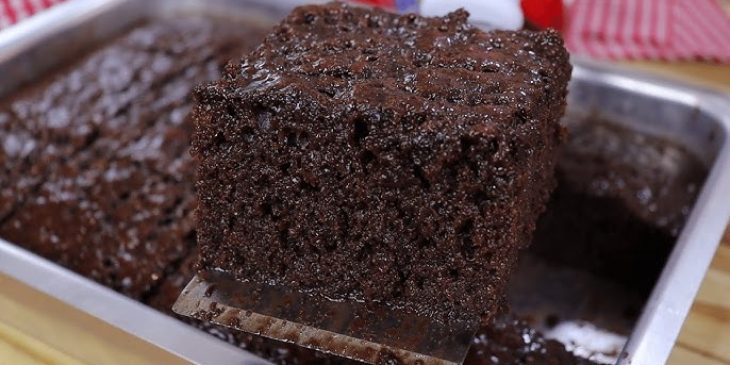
(544, 13)
(13, 11)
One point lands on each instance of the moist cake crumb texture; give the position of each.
(358, 154)
(96, 173)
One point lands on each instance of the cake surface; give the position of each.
(21, 169)
(108, 216)
(96, 171)
(358, 154)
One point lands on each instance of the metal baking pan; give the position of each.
(696, 118)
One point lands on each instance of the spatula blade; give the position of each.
(349, 329)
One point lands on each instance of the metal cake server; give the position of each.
(355, 330)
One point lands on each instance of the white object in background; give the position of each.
(499, 14)
(588, 341)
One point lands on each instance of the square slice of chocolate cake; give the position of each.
(363, 155)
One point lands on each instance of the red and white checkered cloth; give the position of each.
(13, 11)
(649, 29)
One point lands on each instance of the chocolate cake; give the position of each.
(116, 92)
(363, 155)
(125, 86)
(622, 199)
(99, 178)
(108, 216)
(21, 169)
(510, 340)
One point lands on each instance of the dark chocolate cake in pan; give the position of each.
(96, 171)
